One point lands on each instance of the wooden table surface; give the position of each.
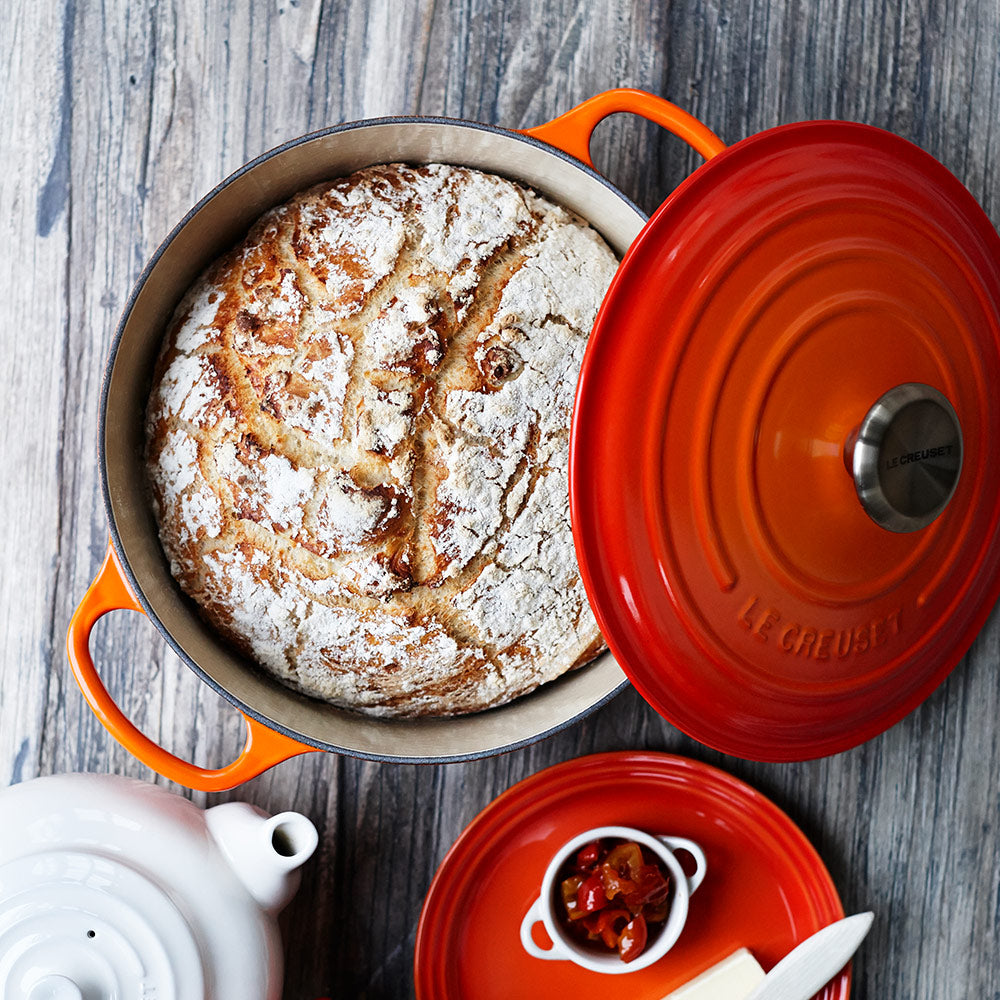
(117, 116)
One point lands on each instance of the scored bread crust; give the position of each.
(358, 439)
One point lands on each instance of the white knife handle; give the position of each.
(809, 966)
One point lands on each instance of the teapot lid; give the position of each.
(77, 924)
(782, 484)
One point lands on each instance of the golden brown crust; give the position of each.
(358, 438)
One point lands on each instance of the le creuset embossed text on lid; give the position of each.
(783, 485)
(113, 888)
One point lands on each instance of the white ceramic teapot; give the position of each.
(113, 888)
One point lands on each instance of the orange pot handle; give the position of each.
(264, 747)
(571, 131)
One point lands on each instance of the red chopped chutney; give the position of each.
(612, 891)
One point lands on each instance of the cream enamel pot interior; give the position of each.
(111, 887)
(554, 159)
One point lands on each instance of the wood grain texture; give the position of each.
(119, 115)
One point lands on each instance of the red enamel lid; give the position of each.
(781, 483)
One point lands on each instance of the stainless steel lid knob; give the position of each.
(906, 457)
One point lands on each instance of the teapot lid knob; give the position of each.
(54, 987)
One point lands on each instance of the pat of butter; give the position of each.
(731, 979)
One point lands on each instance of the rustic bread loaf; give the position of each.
(358, 440)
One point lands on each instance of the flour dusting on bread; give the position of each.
(358, 439)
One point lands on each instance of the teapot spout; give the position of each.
(264, 851)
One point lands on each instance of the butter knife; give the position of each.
(810, 965)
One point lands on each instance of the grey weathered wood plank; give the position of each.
(118, 116)
(34, 190)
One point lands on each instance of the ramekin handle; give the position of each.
(264, 747)
(571, 132)
(532, 917)
(700, 864)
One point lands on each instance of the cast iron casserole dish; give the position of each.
(554, 160)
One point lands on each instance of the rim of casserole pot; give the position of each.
(116, 542)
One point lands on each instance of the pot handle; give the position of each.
(571, 131)
(264, 747)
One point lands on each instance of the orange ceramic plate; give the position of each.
(766, 888)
